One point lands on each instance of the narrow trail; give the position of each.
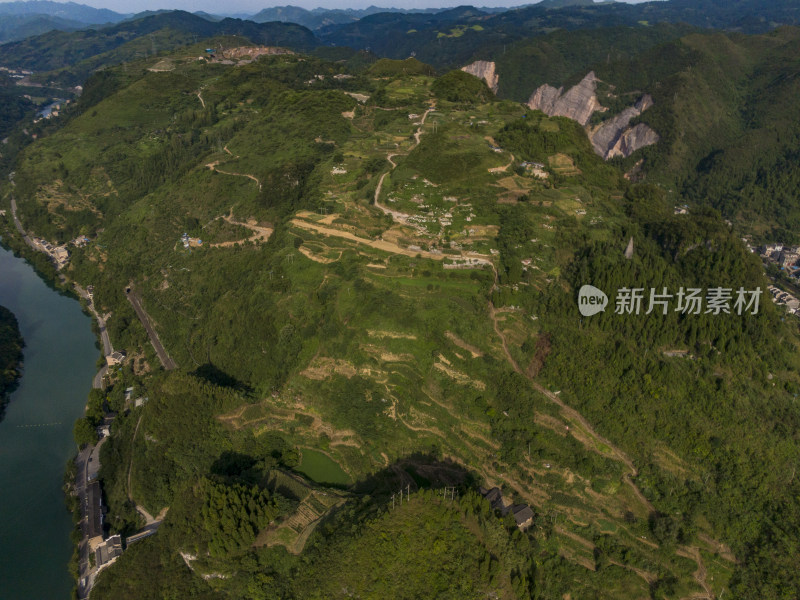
(260, 232)
(142, 511)
(504, 168)
(163, 356)
(390, 156)
(570, 413)
(213, 165)
(199, 97)
(693, 553)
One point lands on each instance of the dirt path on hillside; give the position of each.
(149, 326)
(213, 165)
(504, 168)
(377, 244)
(149, 519)
(261, 233)
(381, 244)
(389, 157)
(571, 414)
(199, 97)
(693, 553)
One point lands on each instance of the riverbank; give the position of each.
(36, 435)
(22, 246)
(87, 461)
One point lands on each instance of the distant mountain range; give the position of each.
(322, 17)
(19, 20)
(443, 38)
(64, 10)
(72, 56)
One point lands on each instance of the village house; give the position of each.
(60, 255)
(771, 251)
(116, 358)
(94, 515)
(108, 551)
(784, 298)
(788, 259)
(522, 513)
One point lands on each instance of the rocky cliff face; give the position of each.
(615, 137)
(611, 138)
(483, 69)
(578, 104)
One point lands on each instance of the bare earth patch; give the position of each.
(323, 368)
(476, 353)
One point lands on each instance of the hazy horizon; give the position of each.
(253, 6)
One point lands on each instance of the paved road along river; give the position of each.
(36, 434)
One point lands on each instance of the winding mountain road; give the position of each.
(163, 357)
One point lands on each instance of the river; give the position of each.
(36, 434)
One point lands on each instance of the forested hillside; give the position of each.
(77, 54)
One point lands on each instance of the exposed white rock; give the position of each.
(484, 69)
(615, 138)
(632, 139)
(578, 103)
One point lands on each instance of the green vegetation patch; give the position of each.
(321, 468)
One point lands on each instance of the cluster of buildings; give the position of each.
(466, 262)
(522, 513)
(16, 73)
(432, 215)
(535, 169)
(106, 550)
(782, 298)
(51, 110)
(786, 257)
(58, 254)
(102, 550)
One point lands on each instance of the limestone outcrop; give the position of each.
(578, 103)
(484, 69)
(613, 137)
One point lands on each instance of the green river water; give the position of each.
(36, 434)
